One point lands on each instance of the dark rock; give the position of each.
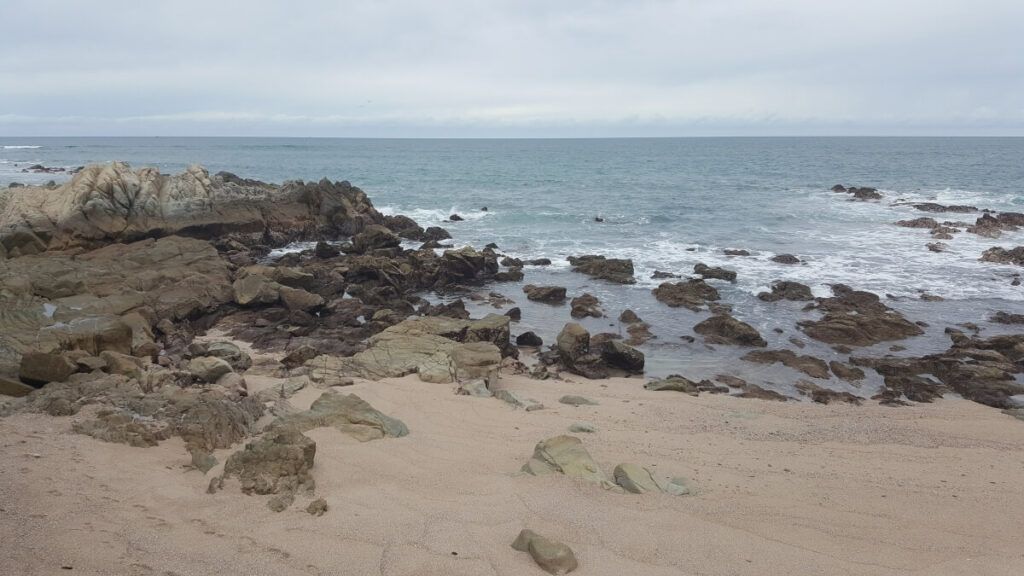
(1007, 318)
(618, 354)
(724, 329)
(785, 259)
(538, 262)
(586, 305)
(825, 395)
(514, 313)
(658, 275)
(691, 294)
(326, 251)
(864, 193)
(787, 290)
(923, 222)
(529, 339)
(674, 383)
(937, 246)
(1000, 255)
(611, 269)
(39, 368)
(628, 317)
(733, 252)
(456, 218)
(375, 237)
(548, 294)
(933, 207)
(759, 393)
(714, 272)
(845, 371)
(813, 367)
(857, 318)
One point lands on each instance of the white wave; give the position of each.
(19, 147)
(434, 216)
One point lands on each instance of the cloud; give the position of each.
(464, 67)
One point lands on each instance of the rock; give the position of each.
(347, 413)
(278, 462)
(548, 294)
(673, 383)
(281, 502)
(714, 272)
(317, 507)
(325, 251)
(1003, 256)
(1007, 318)
(565, 455)
(933, 207)
(618, 354)
(923, 222)
(582, 428)
(299, 299)
(476, 387)
(845, 371)
(538, 262)
(374, 237)
(515, 400)
(39, 368)
(785, 259)
(628, 317)
(639, 333)
(553, 557)
(573, 347)
(515, 314)
(577, 401)
(813, 367)
(13, 388)
(586, 305)
(635, 479)
(456, 218)
(208, 368)
(724, 329)
(731, 381)
(937, 246)
(733, 252)
(759, 393)
(529, 339)
(123, 427)
(787, 290)
(203, 460)
(617, 270)
(858, 319)
(658, 275)
(476, 360)
(286, 389)
(255, 290)
(824, 395)
(691, 294)
(225, 350)
(864, 194)
(117, 363)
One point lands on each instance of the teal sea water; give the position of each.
(667, 204)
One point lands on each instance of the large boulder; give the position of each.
(39, 368)
(565, 455)
(1000, 255)
(547, 294)
(691, 294)
(724, 329)
(619, 270)
(374, 237)
(787, 290)
(586, 305)
(857, 318)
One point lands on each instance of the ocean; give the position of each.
(666, 203)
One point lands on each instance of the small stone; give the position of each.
(317, 507)
(583, 428)
(577, 401)
(281, 502)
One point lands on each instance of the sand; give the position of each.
(793, 488)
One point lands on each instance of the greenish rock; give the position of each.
(202, 460)
(281, 502)
(553, 557)
(572, 400)
(674, 383)
(565, 455)
(347, 413)
(208, 369)
(635, 479)
(510, 397)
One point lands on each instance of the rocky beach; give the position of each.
(204, 370)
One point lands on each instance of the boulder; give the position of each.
(374, 237)
(691, 294)
(347, 413)
(857, 318)
(1000, 255)
(724, 329)
(714, 272)
(635, 479)
(553, 557)
(547, 294)
(787, 290)
(923, 222)
(618, 354)
(845, 371)
(573, 400)
(299, 299)
(673, 383)
(278, 462)
(39, 368)
(785, 259)
(255, 290)
(586, 305)
(617, 270)
(572, 343)
(208, 368)
(565, 455)
(529, 339)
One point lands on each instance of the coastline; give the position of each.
(780, 488)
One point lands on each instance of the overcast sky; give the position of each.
(523, 68)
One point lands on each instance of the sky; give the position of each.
(495, 68)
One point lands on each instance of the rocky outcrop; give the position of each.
(586, 305)
(113, 203)
(724, 329)
(933, 207)
(279, 462)
(347, 413)
(813, 367)
(691, 294)
(1000, 255)
(595, 358)
(858, 193)
(857, 318)
(616, 270)
(714, 272)
(785, 259)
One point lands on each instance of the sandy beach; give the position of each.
(779, 488)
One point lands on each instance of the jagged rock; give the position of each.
(586, 305)
(612, 269)
(573, 400)
(208, 368)
(299, 299)
(325, 251)
(553, 557)
(348, 413)
(549, 294)
(123, 427)
(735, 252)
(786, 290)
(933, 207)
(937, 246)
(618, 354)
(1007, 318)
(477, 388)
(374, 237)
(714, 272)
(278, 462)
(227, 351)
(858, 319)
(724, 329)
(691, 294)
(673, 383)
(1000, 255)
(785, 259)
(565, 455)
(466, 265)
(629, 317)
(286, 389)
(635, 479)
(813, 367)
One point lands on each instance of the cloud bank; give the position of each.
(504, 68)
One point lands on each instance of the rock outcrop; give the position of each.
(724, 329)
(616, 270)
(857, 318)
(691, 294)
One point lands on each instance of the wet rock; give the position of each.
(825, 395)
(565, 455)
(548, 294)
(658, 274)
(813, 367)
(529, 339)
(785, 259)
(515, 314)
(673, 383)
(845, 371)
(734, 252)
(208, 368)
(1007, 318)
(325, 251)
(538, 262)
(620, 355)
(586, 305)
(857, 318)
(456, 218)
(923, 222)
(933, 207)
(573, 400)
(553, 557)
(864, 194)
(629, 317)
(787, 290)
(937, 246)
(758, 393)
(714, 272)
(612, 269)
(639, 332)
(691, 294)
(731, 381)
(724, 329)
(1000, 255)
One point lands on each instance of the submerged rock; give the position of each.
(785, 259)
(691, 294)
(1000, 255)
(586, 305)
